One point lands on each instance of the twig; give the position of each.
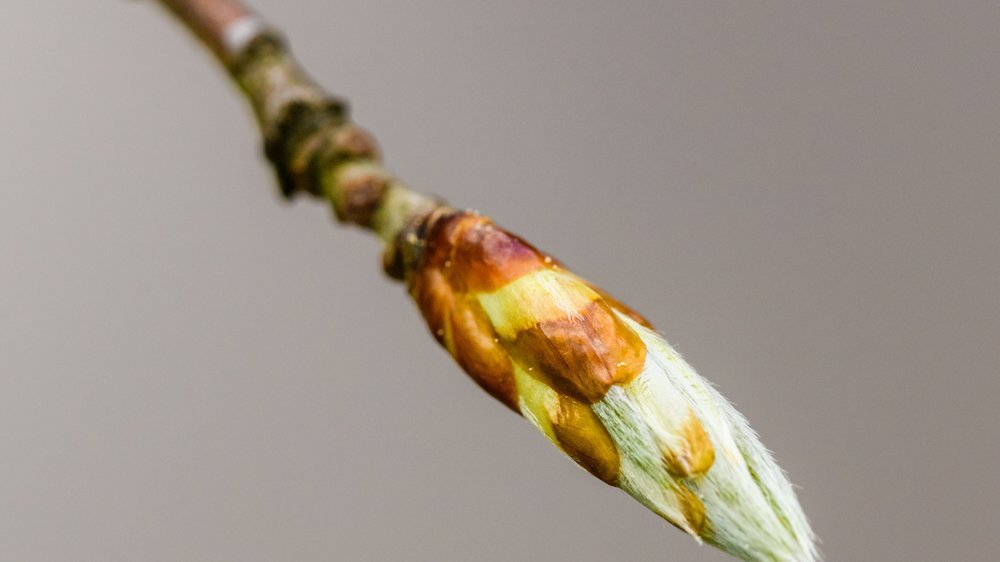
(210, 20)
(308, 136)
(581, 366)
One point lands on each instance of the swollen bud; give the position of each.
(602, 386)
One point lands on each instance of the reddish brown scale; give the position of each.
(582, 356)
(435, 299)
(476, 350)
(456, 319)
(582, 436)
(486, 257)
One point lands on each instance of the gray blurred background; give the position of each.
(803, 197)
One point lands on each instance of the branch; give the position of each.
(584, 368)
(212, 21)
(308, 137)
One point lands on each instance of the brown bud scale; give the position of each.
(582, 436)
(696, 454)
(694, 511)
(476, 350)
(581, 352)
(583, 355)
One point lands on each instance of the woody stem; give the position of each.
(308, 136)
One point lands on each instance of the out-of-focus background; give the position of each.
(804, 197)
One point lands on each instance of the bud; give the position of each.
(606, 389)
